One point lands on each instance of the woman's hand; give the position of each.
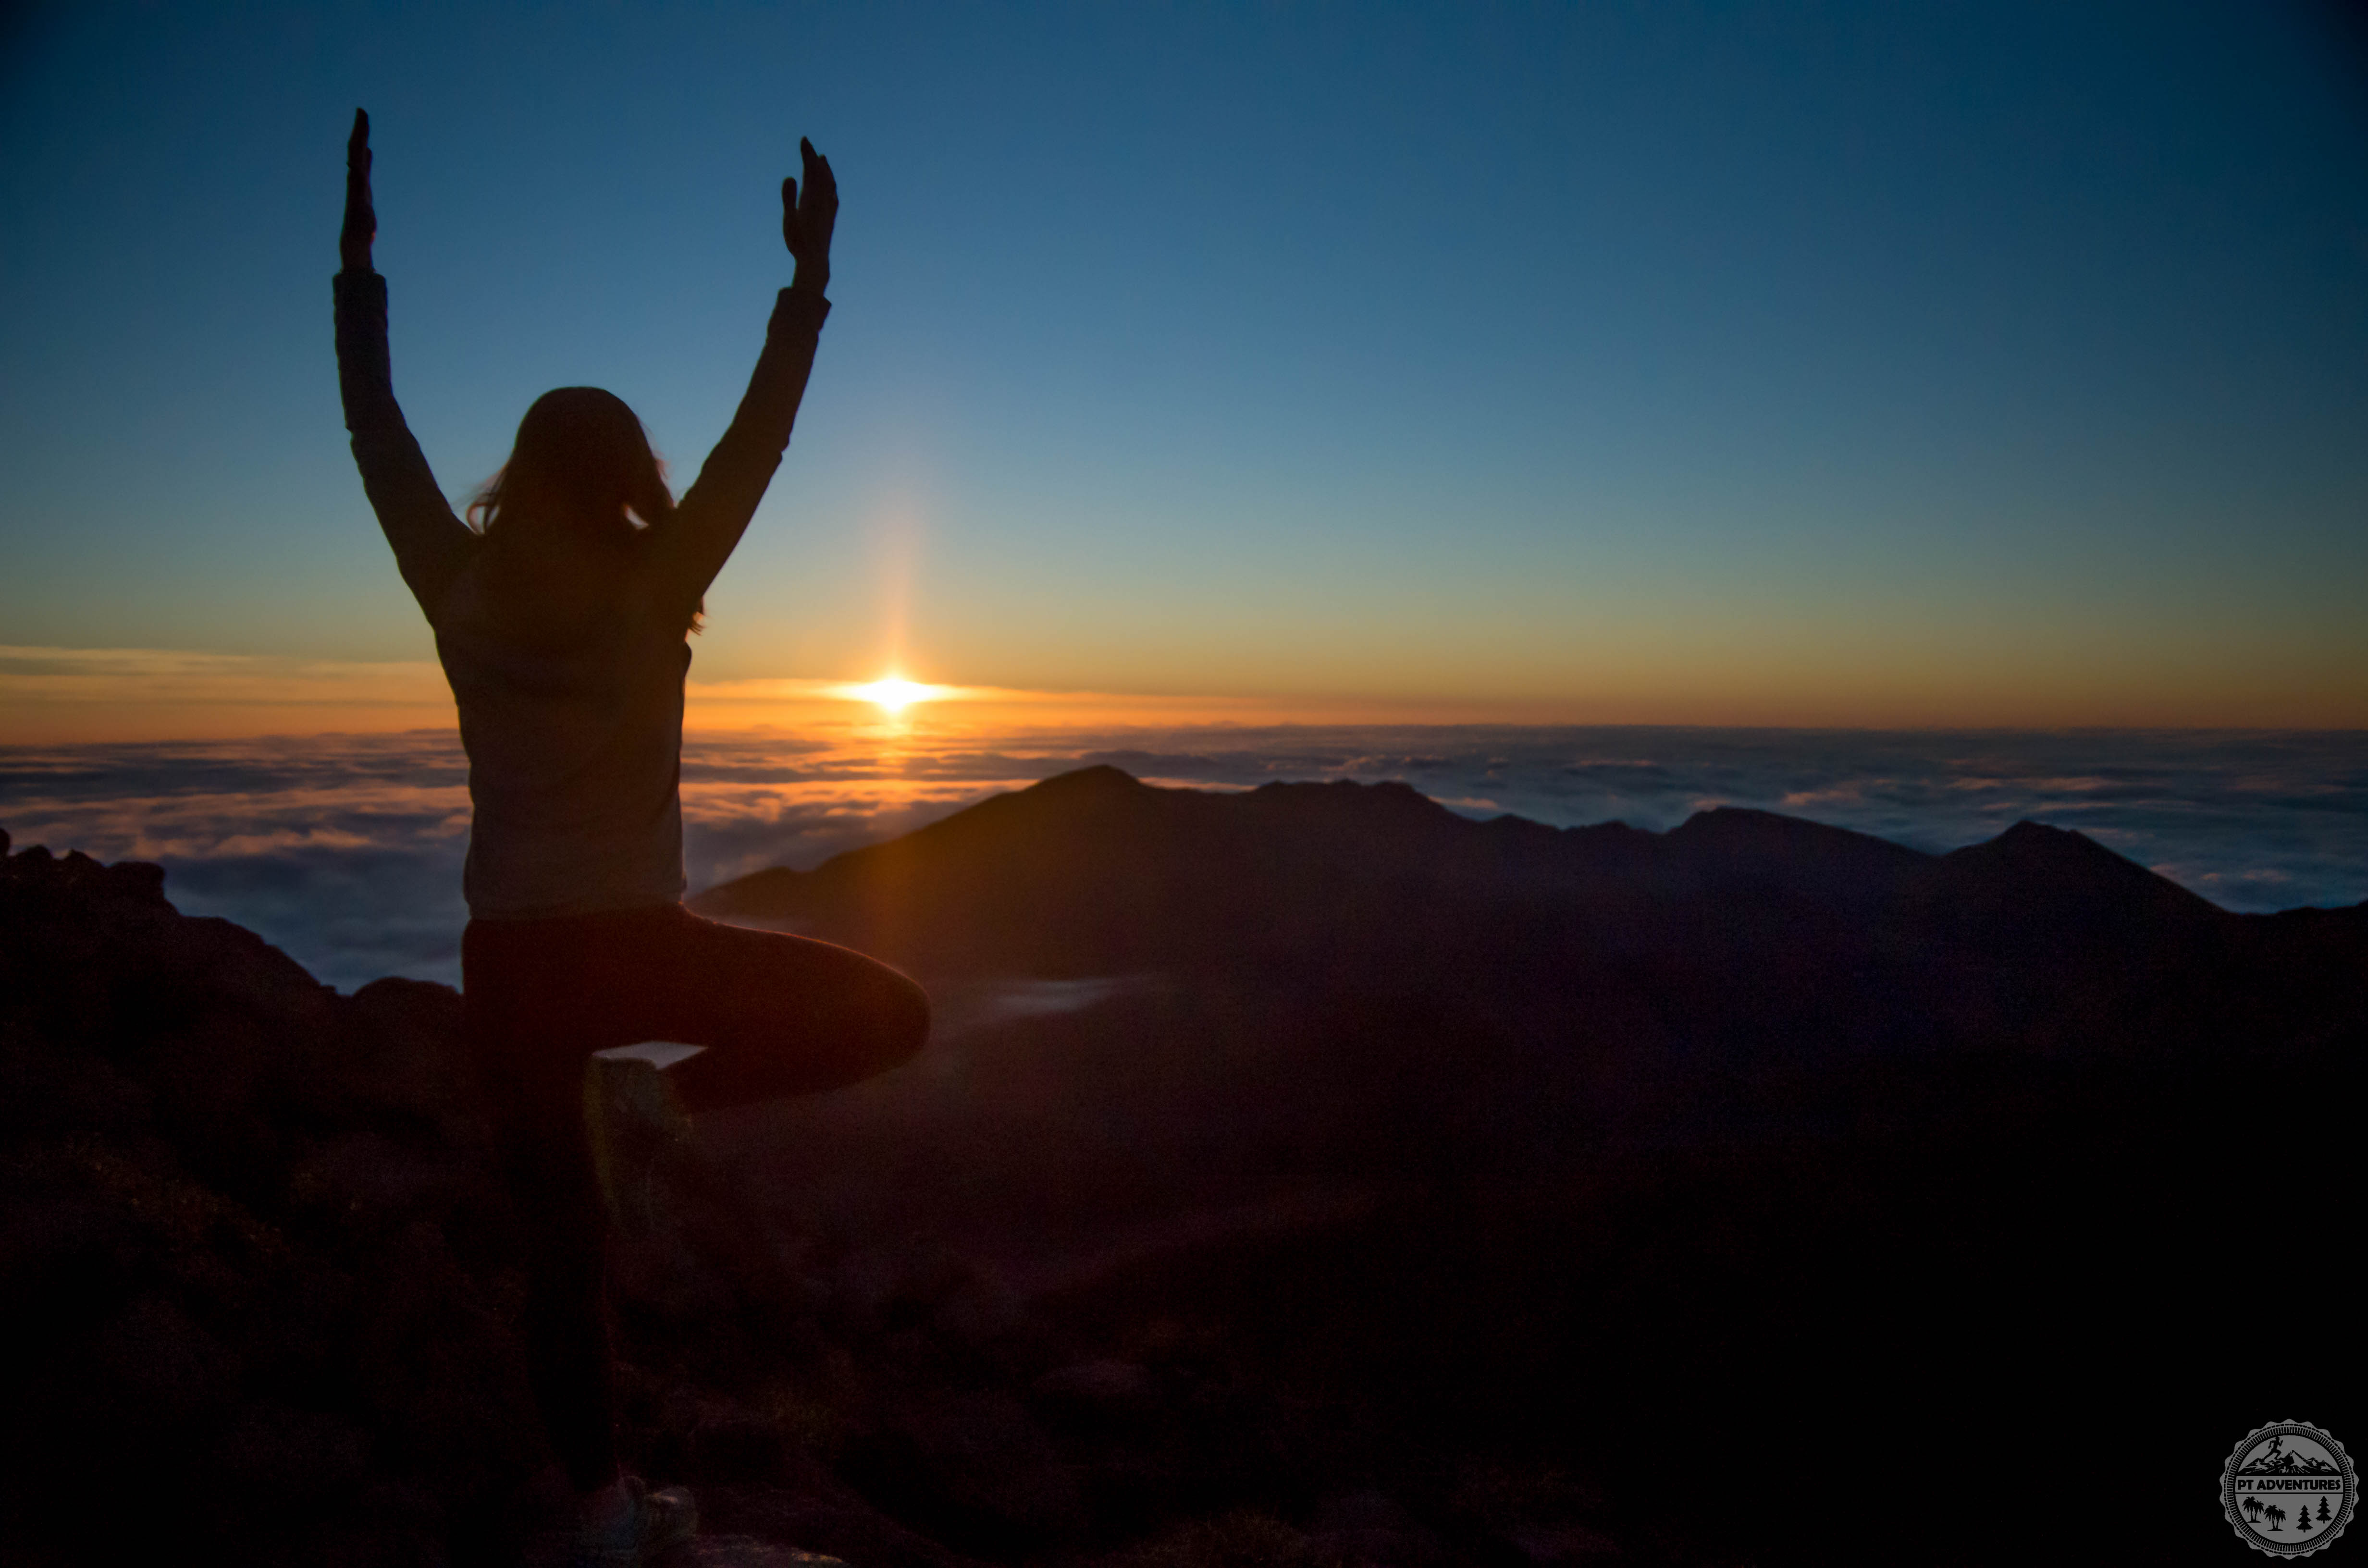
(361, 220)
(806, 221)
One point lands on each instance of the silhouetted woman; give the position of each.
(561, 619)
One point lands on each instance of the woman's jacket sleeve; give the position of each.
(714, 512)
(430, 543)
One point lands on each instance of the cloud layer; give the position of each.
(345, 849)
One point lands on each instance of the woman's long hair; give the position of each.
(581, 482)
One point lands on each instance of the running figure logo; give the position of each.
(2288, 1489)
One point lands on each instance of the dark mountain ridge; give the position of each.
(1742, 931)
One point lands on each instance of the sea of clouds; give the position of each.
(346, 850)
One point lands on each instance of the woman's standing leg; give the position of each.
(530, 1041)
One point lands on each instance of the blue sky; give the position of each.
(1878, 364)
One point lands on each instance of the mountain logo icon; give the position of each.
(2289, 1488)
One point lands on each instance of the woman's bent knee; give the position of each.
(905, 1021)
(805, 1017)
(870, 1019)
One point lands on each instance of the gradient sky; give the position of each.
(1982, 364)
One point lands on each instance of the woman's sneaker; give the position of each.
(650, 1524)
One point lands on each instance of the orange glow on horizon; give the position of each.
(51, 695)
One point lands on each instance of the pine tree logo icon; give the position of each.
(2289, 1488)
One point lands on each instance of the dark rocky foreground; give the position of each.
(1308, 1177)
(259, 1285)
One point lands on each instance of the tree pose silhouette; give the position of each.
(561, 612)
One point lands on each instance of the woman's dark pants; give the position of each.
(780, 1015)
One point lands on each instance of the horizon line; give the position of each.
(59, 695)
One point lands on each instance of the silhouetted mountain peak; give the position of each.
(1344, 802)
(2034, 844)
(2028, 837)
(2064, 866)
(1102, 778)
(1067, 807)
(1833, 861)
(1745, 825)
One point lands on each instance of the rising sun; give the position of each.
(895, 694)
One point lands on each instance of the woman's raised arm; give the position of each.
(715, 511)
(430, 543)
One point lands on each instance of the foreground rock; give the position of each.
(261, 1286)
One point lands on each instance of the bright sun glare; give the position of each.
(895, 694)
